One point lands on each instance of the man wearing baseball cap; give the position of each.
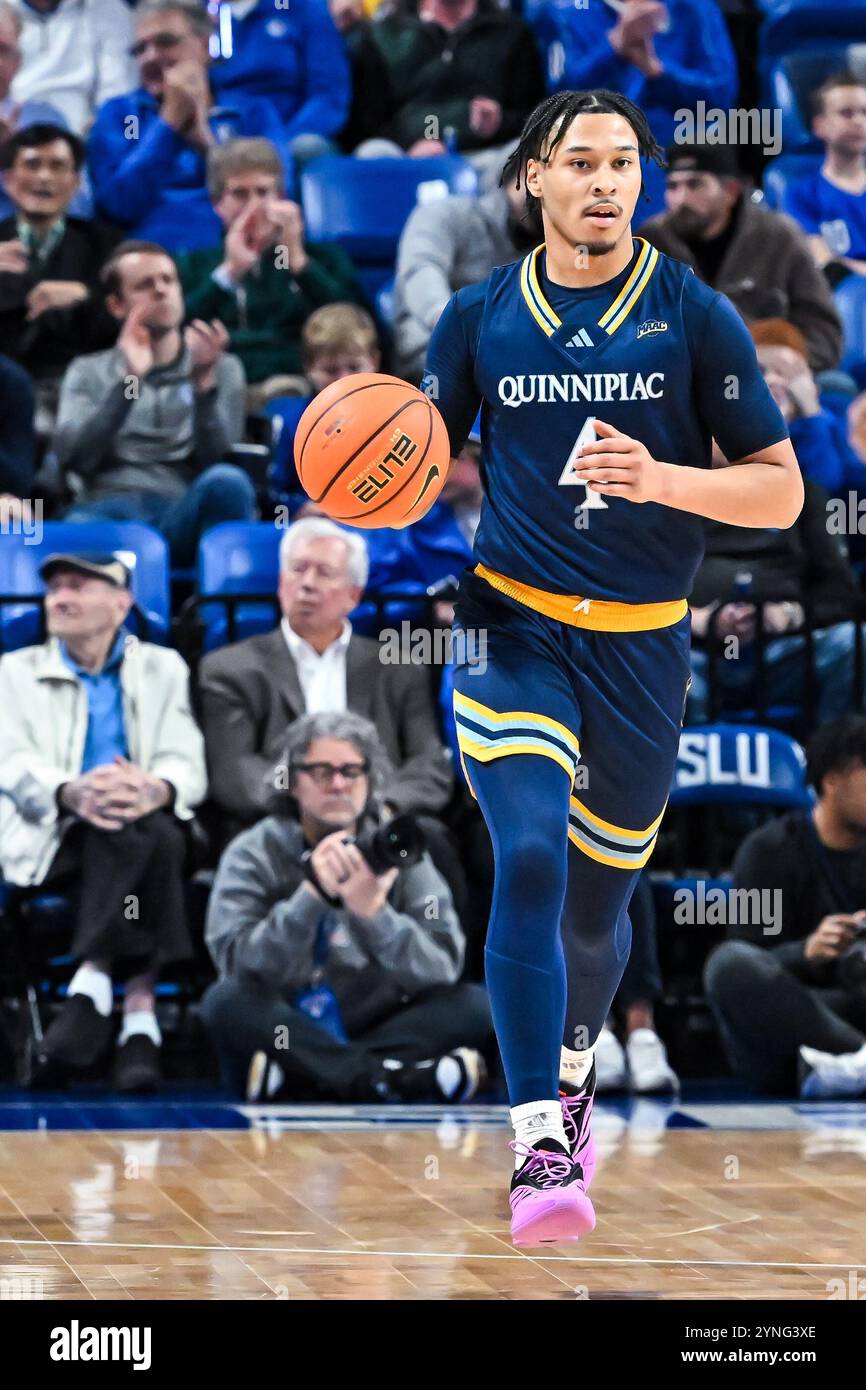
(101, 763)
(760, 259)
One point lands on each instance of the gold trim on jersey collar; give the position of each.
(614, 315)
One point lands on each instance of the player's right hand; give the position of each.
(616, 465)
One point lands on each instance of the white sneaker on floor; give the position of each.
(651, 1072)
(611, 1071)
(826, 1075)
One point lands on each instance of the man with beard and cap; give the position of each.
(758, 258)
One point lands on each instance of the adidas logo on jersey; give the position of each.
(651, 326)
(580, 339)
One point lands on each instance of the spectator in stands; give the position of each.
(462, 74)
(51, 303)
(144, 426)
(789, 573)
(789, 996)
(336, 341)
(818, 437)
(17, 439)
(293, 56)
(665, 57)
(101, 763)
(264, 279)
(856, 427)
(147, 149)
(758, 258)
(359, 968)
(368, 113)
(75, 56)
(15, 114)
(830, 204)
(446, 244)
(313, 662)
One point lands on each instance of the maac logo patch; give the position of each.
(651, 326)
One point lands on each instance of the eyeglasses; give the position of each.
(163, 42)
(323, 773)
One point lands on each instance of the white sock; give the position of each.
(538, 1119)
(574, 1067)
(95, 984)
(140, 1021)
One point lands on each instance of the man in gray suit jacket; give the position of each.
(253, 690)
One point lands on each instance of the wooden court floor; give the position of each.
(420, 1213)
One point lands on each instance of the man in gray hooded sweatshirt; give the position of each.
(446, 244)
(338, 981)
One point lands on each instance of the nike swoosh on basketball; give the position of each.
(434, 473)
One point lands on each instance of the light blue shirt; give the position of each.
(106, 734)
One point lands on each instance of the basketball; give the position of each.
(372, 451)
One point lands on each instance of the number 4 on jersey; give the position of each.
(568, 477)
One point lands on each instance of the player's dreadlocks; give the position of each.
(550, 120)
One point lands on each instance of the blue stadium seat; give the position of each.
(793, 24)
(790, 80)
(731, 764)
(286, 412)
(850, 297)
(363, 203)
(725, 768)
(386, 303)
(144, 550)
(237, 559)
(788, 168)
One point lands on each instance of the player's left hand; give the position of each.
(618, 466)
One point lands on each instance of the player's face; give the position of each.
(589, 184)
(842, 123)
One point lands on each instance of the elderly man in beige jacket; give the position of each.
(101, 763)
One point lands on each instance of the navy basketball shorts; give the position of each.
(605, 706)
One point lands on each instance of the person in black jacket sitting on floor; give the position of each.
(51, 304)
(790, 993)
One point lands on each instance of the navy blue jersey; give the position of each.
(654, 352)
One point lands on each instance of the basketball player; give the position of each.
(603, 370)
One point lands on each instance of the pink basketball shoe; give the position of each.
(577, 1118)
(548, 1198)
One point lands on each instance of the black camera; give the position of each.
(397, 845)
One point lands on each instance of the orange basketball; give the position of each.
(372, 451)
